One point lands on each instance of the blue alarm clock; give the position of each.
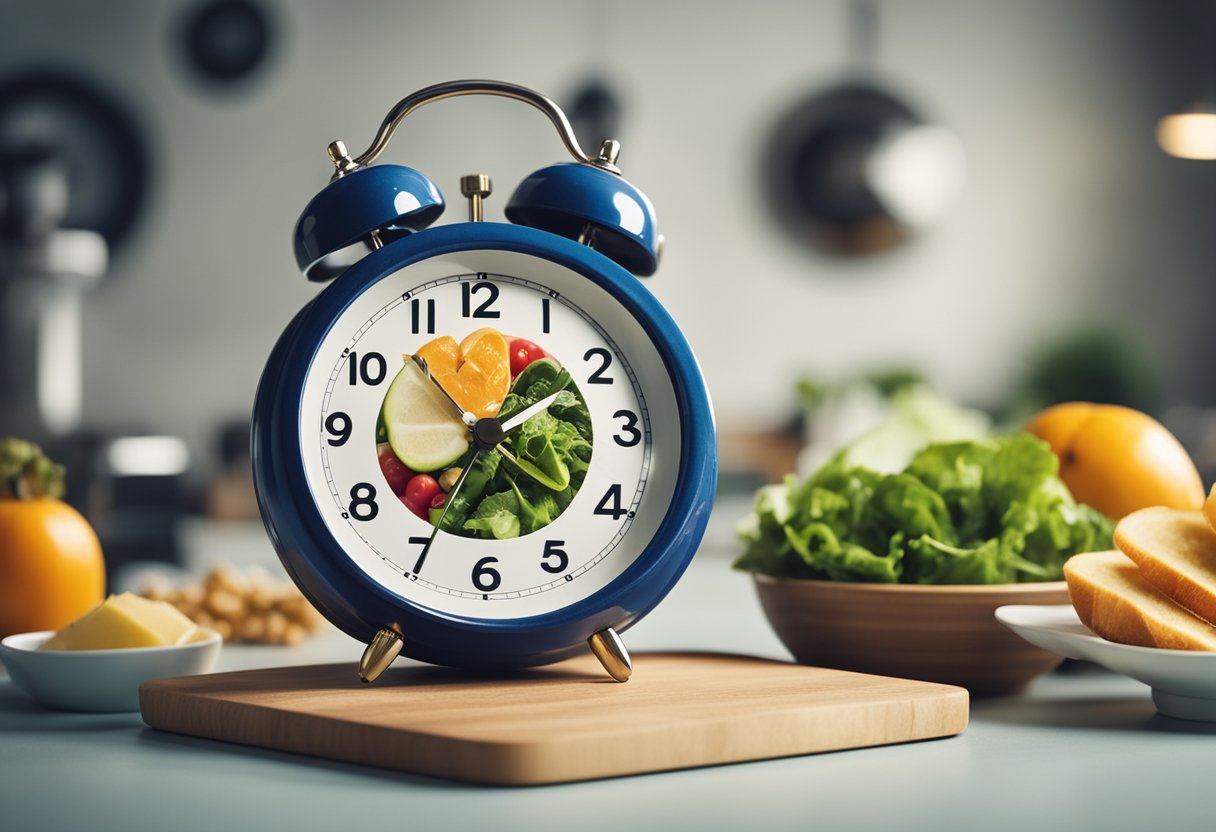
(483, 444)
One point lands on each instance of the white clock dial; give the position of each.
(590, 475)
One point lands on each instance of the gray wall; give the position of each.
(1070, 212)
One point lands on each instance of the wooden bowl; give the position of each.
(934, 633)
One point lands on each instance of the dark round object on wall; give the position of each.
(815, 169)
(67, 121)
(595, 113)
(226, 41)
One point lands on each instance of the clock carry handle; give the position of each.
(366, 205)
(453, 89)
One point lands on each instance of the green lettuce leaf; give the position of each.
(497, 517)
(983, 512)
(536, 510)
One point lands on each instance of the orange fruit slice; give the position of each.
(476, 372)
(442, 356)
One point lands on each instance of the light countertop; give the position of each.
(1080, 749)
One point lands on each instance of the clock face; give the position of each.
(481, 523)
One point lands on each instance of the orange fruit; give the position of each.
(476, 372)
(1117, 459)
(442, 355)
(51, 566)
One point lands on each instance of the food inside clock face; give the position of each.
(427, 453)
(482, 443)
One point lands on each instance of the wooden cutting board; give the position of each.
(558, 723)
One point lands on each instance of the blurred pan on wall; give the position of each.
(595, 111)
(853, 168)
(225, 45)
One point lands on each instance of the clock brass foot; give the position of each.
(610, 650)
(385, 646)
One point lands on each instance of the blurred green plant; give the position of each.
(1096, 364)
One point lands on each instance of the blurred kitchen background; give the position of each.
(974, 193)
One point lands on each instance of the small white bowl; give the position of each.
(100, 680)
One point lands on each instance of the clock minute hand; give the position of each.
(526, 414)
(465, 416)
(426, 550)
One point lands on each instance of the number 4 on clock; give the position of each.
(610, 503)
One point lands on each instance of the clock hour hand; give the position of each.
(465, 416)
(524, 415)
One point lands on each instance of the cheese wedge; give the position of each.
(1113, 600)
(1176, 552)
(125, 620)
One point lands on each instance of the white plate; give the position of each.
(100, 680)
(1183, 681)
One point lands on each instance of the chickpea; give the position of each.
(448, 478)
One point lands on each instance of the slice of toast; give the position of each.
(1113, 599)
(1176, 552)
(1209, 508)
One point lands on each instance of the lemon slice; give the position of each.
(422, 430)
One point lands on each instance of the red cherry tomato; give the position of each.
(421, 490)
(395, 472)
(523, 353)
(418, 510)
(438, 500)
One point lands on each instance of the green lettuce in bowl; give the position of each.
(979, 512)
